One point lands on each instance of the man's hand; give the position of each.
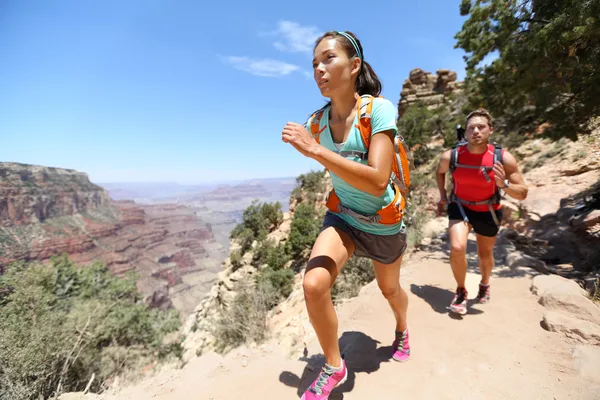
(499, 175)
(441, 206)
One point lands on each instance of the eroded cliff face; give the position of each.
(31, 193)
(48, 211)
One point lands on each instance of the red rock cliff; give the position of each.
(47, 211)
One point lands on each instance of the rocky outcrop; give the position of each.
(430, 89)
(32, 193)
(48, 211)
(557, 228)
(568, 308)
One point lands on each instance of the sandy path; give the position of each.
(496, 351)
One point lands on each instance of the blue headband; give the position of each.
(354, 44)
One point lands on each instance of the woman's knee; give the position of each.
(316, 283)
(389, 291)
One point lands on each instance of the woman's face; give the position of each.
(333, 70)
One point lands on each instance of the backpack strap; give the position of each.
(454, 157)
(400, 166)
(365, 111)
(314, 122)
(498, 156)
(354, 153)
(460, 134)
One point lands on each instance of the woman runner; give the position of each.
(363, 187)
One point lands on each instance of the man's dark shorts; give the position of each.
(482, 222)
(383, 248)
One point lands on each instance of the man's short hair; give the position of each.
(481, 112)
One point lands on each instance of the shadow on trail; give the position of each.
(439, 299)
(440, 250)
(361, 354)
(442, 245)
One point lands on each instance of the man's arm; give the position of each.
(440, 176)
(510, 170)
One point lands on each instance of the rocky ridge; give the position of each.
(47, 211)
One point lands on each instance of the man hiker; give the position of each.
(480, 171)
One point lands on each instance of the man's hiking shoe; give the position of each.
(401, 346)
(483, 296)
(328, 379)
(459, 303)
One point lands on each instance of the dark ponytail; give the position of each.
(367, 81)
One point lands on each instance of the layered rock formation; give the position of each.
(31, 193)
(430, 89)
(49, 211)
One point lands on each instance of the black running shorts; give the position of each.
(482, 222)
(383, 248)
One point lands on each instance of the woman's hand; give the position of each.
(297, 135)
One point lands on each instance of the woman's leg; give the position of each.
(388, 279)
(330, 252)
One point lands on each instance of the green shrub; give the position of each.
(281, 280)
(245, 319)
(419, 125)
(236, 259)
(356, 273)
(415, 215)
(309, 184)
(304, 230)
(60, 323)
(257, 221)
(274, 256)
(313, 181)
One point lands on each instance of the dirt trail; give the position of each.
(496, 351)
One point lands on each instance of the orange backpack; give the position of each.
(399, 179)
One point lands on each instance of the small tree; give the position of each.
(546, 68)
(303, 231)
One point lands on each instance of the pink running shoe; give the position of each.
(327, 380)
(459, 303)
(483, 296)
(401, 346)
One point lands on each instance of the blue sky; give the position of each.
(190, 91)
